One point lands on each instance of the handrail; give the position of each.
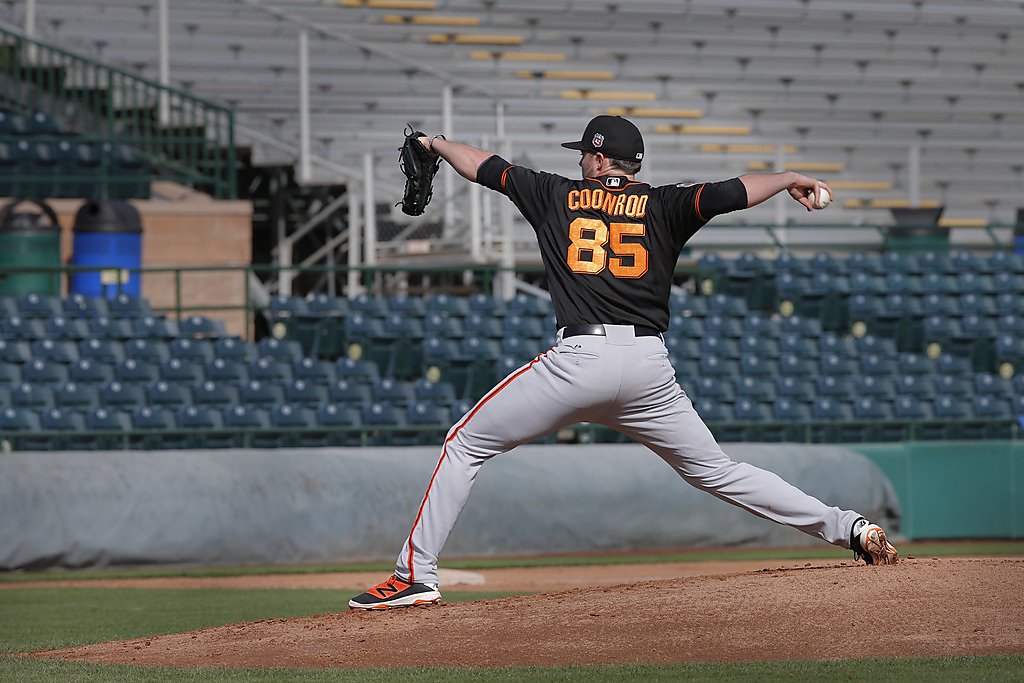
(195, 145)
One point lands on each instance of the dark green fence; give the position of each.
(194, 143)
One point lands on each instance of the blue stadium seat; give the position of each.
(486, 304)
(108, 327)
(798, 345)
(349, 392)
(364, 371)
(315, 371)
(758, 367)
(216, 394)
(756, 388)
(36, 306)
(719, 389)
(44, 372)
(104, 420)
(304, 392)
(127, 306)
(167, 394)
(202, 326)
(988, 384)
(137, 371)
(101, 350)
(19, 328)
(198, 350)
(879, 386)
(261, 394)
(280, 349)
(154, 327)
(147, 350)
(74, 396)
(120, 396)
(339, 425)
(388, 390)
(836, 386)
(63, 328)
(915, 385)
(13, 351)
(484, 325)
(199, 417)
(461, 408)
(837, 365)
(794, 387)
(712, 411)
(751, 410)
(797, 366)
(412, 307)
(55, 351)
(234, 370)
(77, 305)
(178, 370)
(291, 422)
(722, 347)
(717, 367)
(10, 374)
(526, 305)
(270, 370)
(18, 419)
(441, 393)
(233, 348)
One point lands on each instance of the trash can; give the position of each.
(29, 239)
(108, 237)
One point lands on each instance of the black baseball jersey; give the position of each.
(610, 244)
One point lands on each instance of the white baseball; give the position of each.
(822, 200)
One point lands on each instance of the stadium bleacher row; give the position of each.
(40, 157)
(841, 362)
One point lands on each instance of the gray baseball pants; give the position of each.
(626, 383)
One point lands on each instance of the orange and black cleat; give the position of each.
(396, 592)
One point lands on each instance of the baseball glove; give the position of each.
(419, 167)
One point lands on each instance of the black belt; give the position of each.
(598, 331)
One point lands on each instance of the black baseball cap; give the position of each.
(612, 136)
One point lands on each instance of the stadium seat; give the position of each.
(349, 392)
(13, 351)
(797, 345)
(200, 421)
(44, 372)
(794, 387)
(187, 348)
(151, 351)
(178, 370)
(288, 428)
(55, 351)
(261, 394)
(712, 411)
(384, 421)
(304, 392)
(429, 420)
(76, 397)
(202, 326)
(62, 328)
(438, 393)
(756, 367)
(246, 421)
(797, 366)
(877, 386)
(712, 366)
(154, 327)
(10, 374)
(388, 390)
(106, 351)
(759, 388)
(314, 370)
(361, 370)
(137, 371)
(339, 425)
(412, 307)
(149, 424)
(836, 386)
(215, 394)
(233, 348)
(127, 306)
(19, 328)
(114, 422)
(227, 370)
(279, 349)
(722, 347)
(270, 370)
(120, 396)
(77, 305)
(718, 389)
(167, 394)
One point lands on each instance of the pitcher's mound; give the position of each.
(920, 607)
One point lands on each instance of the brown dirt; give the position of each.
(823, 610)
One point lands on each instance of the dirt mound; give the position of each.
(921, 607)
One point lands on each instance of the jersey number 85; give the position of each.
(591, 235)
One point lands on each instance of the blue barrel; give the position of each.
(108, 236)
(1018, 233)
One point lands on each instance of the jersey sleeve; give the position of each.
(690, 207)
(531, 191)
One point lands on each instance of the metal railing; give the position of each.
(193, 142)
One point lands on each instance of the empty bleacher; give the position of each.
(827, 349)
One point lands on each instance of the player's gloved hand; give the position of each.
(419, 167)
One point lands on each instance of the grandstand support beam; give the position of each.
(781, 202)
(355, 231)
(165, 62)
(369, 212)
(30, 27)
(305, 167)
(507, 276)
(447, 128)
(475, 251)
(914, 175)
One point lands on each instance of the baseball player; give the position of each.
(609, 244)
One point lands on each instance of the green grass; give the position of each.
(1006, 668)
(823, 552)
(50, 618)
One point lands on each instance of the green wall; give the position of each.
(955, 489)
